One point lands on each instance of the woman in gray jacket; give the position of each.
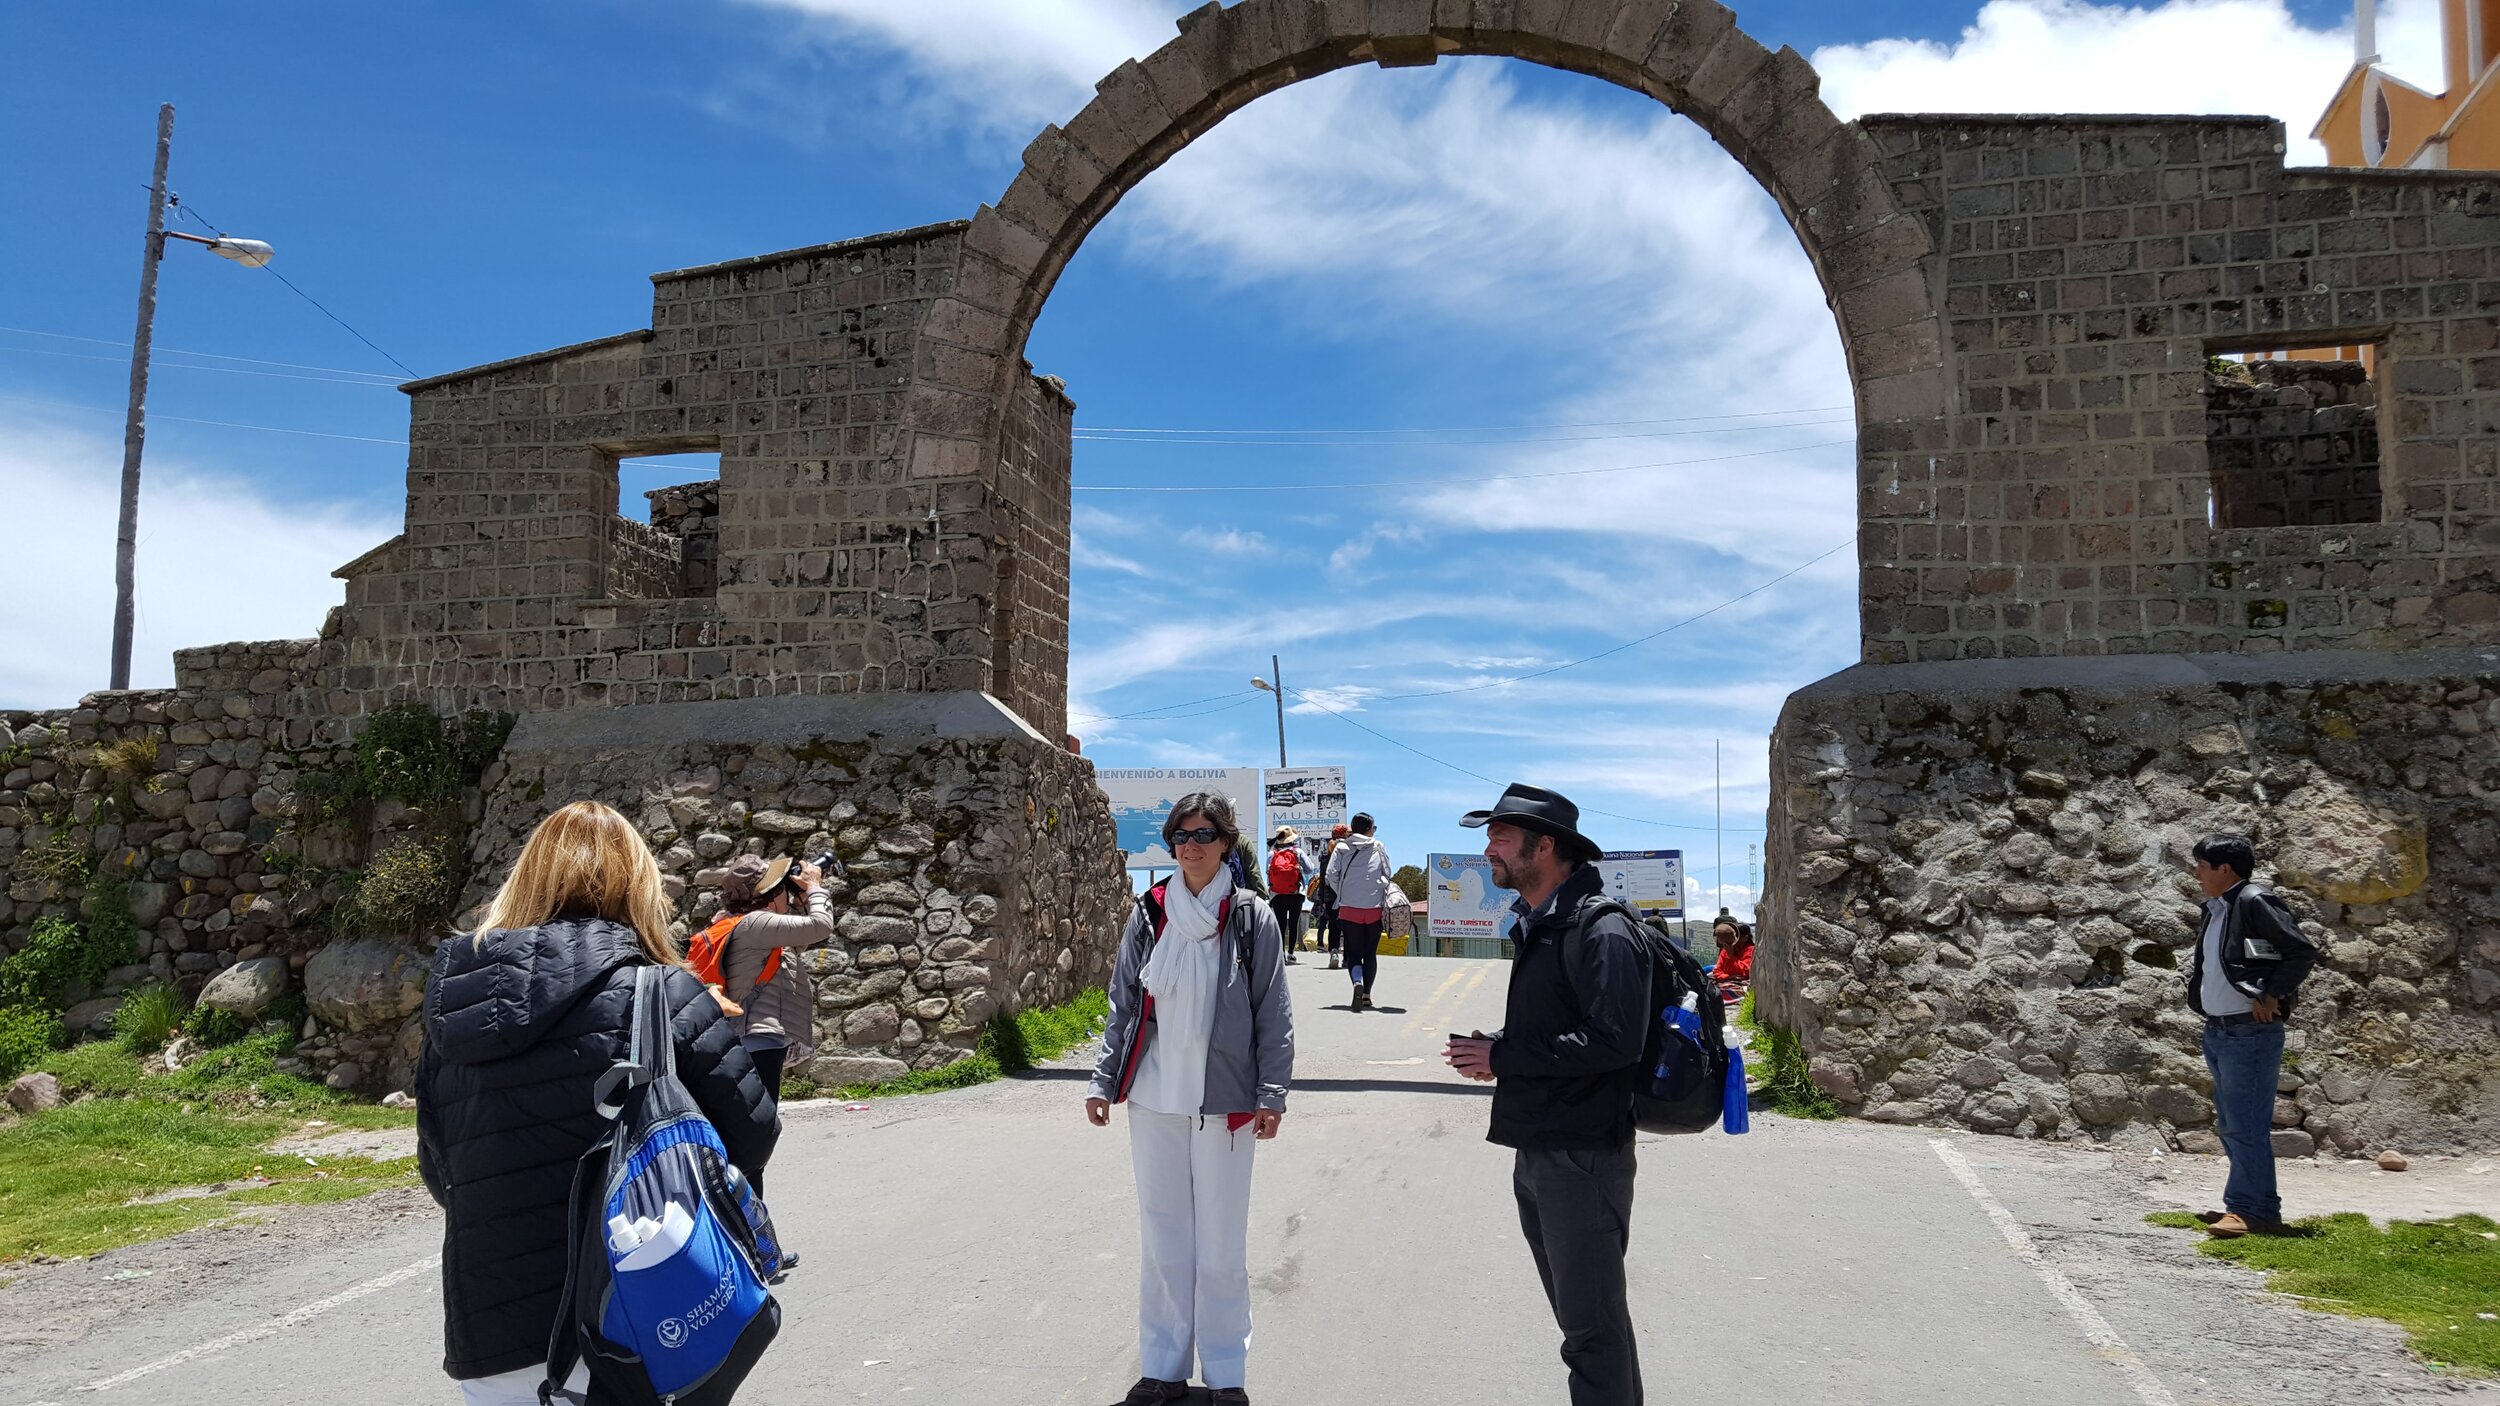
(1200, 1047)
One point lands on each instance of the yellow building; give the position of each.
(2378, 119)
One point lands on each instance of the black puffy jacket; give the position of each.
(518, 1026)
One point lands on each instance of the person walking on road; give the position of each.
(1284, 888)
(521, 1019)
(2249, 963)
(1578, 1015)
(1200, 1048)
(770, 909)
(1359, 873)
(1324, 898)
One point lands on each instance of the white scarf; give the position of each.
(1187, 918)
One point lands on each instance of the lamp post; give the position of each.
(250, 253)
(1277, 688)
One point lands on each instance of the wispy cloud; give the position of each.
(218, 561)
(2067, 56)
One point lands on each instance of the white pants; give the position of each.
(518, 1387)
(1193, 1207)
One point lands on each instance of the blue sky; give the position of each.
(1350, 298)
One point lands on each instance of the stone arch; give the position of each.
(1874, 259)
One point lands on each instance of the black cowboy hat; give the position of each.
(1545, 812)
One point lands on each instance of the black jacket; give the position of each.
(2250, 912)
(1579, 1015)
(517, 1029)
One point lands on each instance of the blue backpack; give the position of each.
(665, 1295)
(1688, 1080)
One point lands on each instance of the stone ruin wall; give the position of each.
(983, 874)
(1989, 910)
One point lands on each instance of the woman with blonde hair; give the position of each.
(521, 1019)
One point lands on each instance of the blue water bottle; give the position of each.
(1735, 1109)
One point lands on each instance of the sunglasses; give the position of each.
(1203, 835)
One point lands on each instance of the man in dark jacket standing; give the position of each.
(1578, 1015)
(2249, 962)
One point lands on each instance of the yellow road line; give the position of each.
(1424, 1011)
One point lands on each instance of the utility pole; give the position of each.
(1718, 826)
(135, 428)
(1275, 685)
(1276, 672)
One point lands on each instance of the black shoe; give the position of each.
(1228, 1396)
(1153, 1389)
(781, 1271)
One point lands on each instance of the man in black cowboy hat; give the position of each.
(1578, 1015)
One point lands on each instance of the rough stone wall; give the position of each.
(191, 799)
(2090, 268)
(1987, 905)
(983, 873)
(690, 512)
(2292, 443)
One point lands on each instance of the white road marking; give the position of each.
(273, 1327)
(2096, 1329)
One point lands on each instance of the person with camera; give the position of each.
(771, 909)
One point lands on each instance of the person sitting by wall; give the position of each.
(1734, 969)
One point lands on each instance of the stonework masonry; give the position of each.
(1988, 905)
(2028, 306)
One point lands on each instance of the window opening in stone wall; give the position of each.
(2291, 437)
(673, 550)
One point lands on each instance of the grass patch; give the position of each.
(2439, 1279)
(1781, 1059)
(67, 1177)
(1011, 1045)
(149, 1016)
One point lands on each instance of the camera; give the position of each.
(829, 864)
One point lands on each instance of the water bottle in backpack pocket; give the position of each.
(1682, 1084)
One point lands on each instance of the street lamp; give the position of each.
(250, 253)
(1277, 688)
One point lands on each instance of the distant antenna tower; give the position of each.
(1753, 874)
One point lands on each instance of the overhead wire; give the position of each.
(1149, 712)
(213, 356)
(1480, 776)
(160, 365)
(205, 223)
(1085, 438)
(1442, 482)
(1627, 644)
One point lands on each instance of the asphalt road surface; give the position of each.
(981, 1246)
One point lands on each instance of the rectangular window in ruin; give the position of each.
(675, 552)
(2291, 437)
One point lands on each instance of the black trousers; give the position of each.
(768, 1064)
(1576, 1210)
(1362, 948)
(1288, 908)
(1324, 922)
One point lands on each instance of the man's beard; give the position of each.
(1501, 874)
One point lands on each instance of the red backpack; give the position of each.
(1284, 871)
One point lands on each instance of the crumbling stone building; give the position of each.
(2081, 646)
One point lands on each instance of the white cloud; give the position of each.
(218, 561)
(1348, 699)
(998, 70)
(2191, 56)
(1229, 542)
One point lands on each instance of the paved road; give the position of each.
(981, 1246)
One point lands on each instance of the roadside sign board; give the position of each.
(1141, 800)
(1465, 902)
(1651, 880)
(1309, 798)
